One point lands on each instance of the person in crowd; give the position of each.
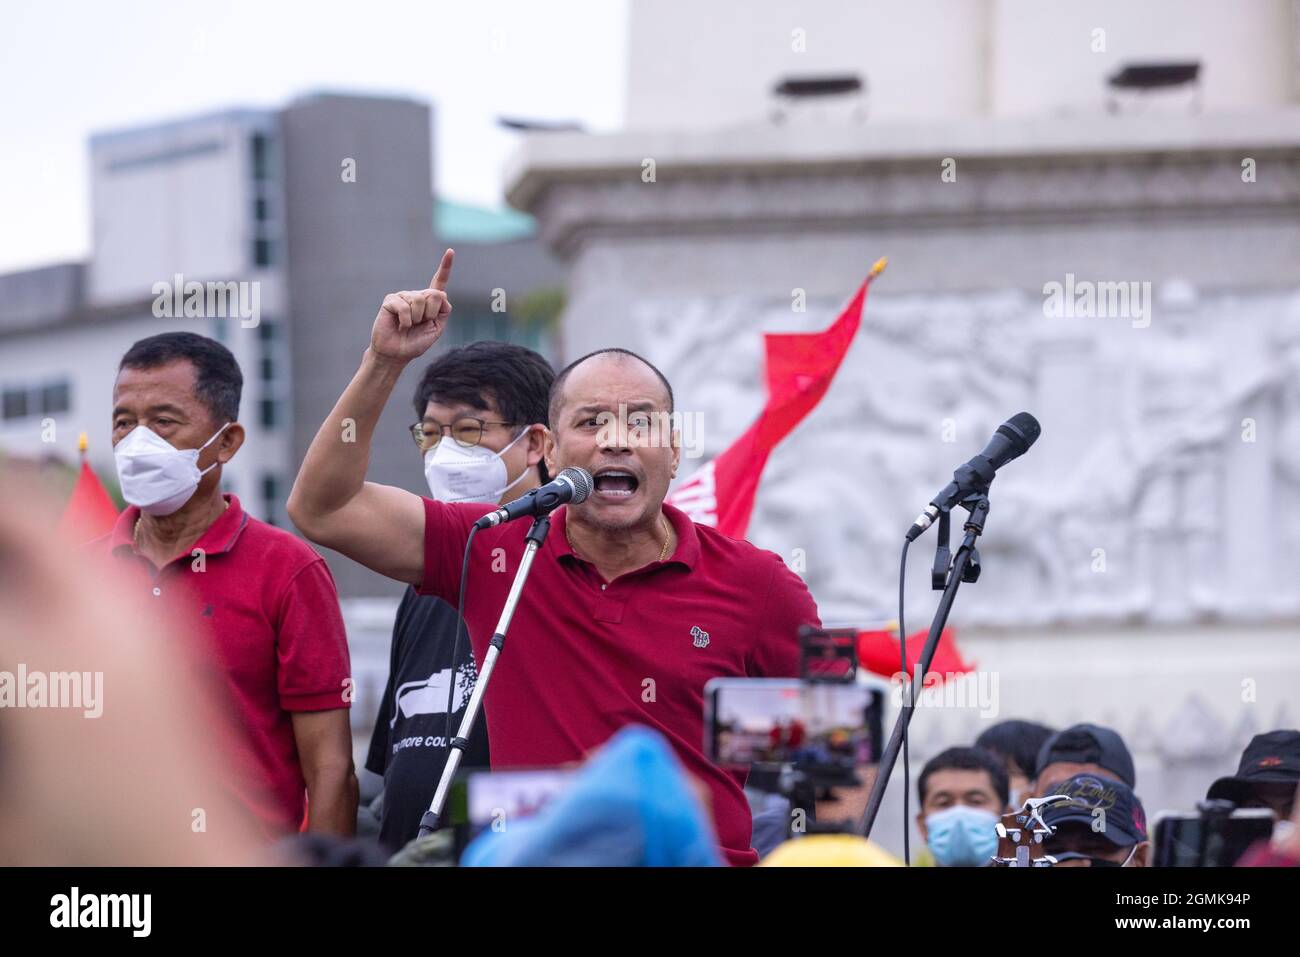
(1283, 850)
(1267, 775)
(1083, 749)
(963, 792)
(1017, 743)
(1103, 824)
(261, 602)
(481, 413)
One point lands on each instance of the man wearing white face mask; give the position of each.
(260, 605)
(481, 419)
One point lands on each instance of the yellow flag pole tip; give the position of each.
(879, 266)
(83, 442)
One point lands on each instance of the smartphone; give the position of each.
(828, 654)
(813, 725)
(1208, 840)
(480, 800)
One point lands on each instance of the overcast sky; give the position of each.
(69, 69)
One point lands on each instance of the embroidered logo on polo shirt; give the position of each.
(700, 635)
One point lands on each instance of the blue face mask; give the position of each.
(962, 836)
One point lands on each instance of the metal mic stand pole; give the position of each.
(535, 537)
(962, 566)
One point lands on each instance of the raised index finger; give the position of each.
(439, 281)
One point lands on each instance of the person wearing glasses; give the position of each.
(631, 607)
(482, 412)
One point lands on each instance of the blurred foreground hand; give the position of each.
(129, 776)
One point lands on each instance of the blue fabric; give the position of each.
(771, 829)
(630, 806)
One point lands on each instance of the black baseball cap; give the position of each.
(1271, 758)
(1125, 820)
(1088, 744)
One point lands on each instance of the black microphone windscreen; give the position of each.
(1023, 429)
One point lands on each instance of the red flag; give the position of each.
(878, 652)
(800, 367)
(90, 511)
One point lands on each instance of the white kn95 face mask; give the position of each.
(154, 474)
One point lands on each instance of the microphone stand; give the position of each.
(965, 567)
(535, 537)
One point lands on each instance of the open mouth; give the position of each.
(615, 484)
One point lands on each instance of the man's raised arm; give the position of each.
(332, 503)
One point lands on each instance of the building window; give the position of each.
(55, 397)
(270, 413)
(270, 497)
(261, 252)
(261, 159)
(259, 209)
(268, 369)
(15, 403)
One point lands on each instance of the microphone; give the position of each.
(1012, 440)
(571, 485)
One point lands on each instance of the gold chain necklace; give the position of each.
(668, 535)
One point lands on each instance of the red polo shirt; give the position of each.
(584, 657)
(265, 616)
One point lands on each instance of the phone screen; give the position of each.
(788, 721)
(483, 799)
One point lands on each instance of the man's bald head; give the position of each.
(611, 414)
(611, 354)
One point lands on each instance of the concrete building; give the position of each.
(999, 152)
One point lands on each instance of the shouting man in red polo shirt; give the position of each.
(630, 606)
(262, 602)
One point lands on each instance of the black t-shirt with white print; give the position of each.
(407, 746)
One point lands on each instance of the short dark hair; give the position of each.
(1018, 742)
(554, 400)
(967, 759)
(513, 378)
(218, 383)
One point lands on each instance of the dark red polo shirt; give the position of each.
(264, 616)
(584, 657)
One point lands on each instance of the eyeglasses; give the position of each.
(467, 431)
